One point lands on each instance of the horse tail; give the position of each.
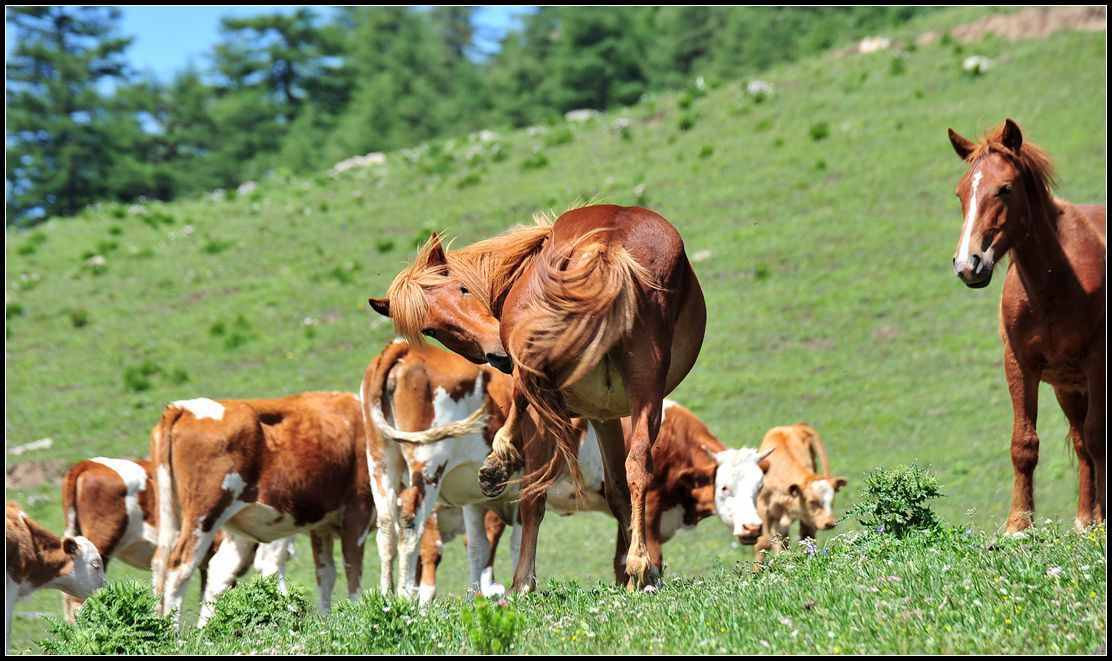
(818, 450)
(586, 299)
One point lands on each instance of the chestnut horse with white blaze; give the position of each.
(602, 316)
(1052, 308)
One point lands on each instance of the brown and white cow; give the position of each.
(792, 490)
(695, 476)
(262, 469)
(112, 503)
(414, 398)
(36, 559)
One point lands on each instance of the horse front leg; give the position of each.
(504, 458)
(1024, 388)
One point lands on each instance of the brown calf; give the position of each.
(793, 491)
(264, 469)
(36, 559)
(112, 503)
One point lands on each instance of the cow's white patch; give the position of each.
(234, 483)
(671, 521)
(825, 492)
(970, 219)
(134, 478)
(201, 408)
(561, 495)
(737, 481)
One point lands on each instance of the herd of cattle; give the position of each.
(229, 482)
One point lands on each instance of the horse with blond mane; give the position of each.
(597, 314)
(1052, 308)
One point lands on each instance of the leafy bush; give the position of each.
(895, 501)
(492, 626)
(137, 378)
(118, 619)
(254, 605)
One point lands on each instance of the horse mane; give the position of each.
(1032, 162)
(487, 268)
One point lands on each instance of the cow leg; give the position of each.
(611, 442)
(355, 528)
(1074, 405)
(229, 563)
(386, 478)
(494, 527)
(1024, 389)
(321, 541)
(431, 555)
(478, 548)
(418, 501)
(1094, 431)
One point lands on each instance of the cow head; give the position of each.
(816, 495)
(83, 573)
(737, 481)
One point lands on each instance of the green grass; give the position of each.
(829, 290)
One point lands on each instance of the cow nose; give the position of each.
(501, 362)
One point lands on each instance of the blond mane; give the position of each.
(487, 268)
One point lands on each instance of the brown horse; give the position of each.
(1052, 309)
(602, 316)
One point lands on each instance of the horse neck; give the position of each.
(1037, 251)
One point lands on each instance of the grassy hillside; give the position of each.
(822, 220)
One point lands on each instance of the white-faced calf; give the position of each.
(36, 559)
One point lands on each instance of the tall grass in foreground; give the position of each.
(946, 590)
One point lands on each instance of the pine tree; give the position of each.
(62, 140)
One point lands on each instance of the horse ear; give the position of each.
(962, 147)
(1012, 137)
(436, 253)
(380, 305)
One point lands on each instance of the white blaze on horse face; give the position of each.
(737, 481)
(970, 219)
(202, 408)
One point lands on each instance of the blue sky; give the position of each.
(167, 38)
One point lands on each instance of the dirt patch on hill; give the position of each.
(1032, 23)
(29, 474)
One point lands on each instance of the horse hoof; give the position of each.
(492, 479)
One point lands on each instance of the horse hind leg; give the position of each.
(1075, 404)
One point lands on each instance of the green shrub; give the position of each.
(820, 131)
(79, 317)
(894, 501)
(492, 626)
(256, 605)
(118, 619)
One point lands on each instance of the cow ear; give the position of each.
(1013, 137)
(962, 147)
(380, 305)
(838, 482)
(795, 490)
(69, 545)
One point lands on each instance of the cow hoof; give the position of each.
(492, 478)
